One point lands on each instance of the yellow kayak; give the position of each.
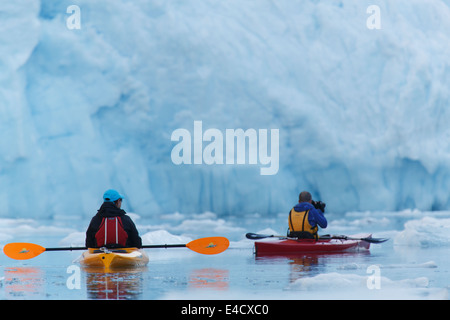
(114, 258)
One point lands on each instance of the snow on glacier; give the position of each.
(362, 113)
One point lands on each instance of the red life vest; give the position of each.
(111, 233)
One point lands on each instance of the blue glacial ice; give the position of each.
(362, 113)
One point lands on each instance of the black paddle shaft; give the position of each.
(143, 247)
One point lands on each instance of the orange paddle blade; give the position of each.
(22, 250)
(210, 245)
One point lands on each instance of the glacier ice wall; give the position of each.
(363, 114)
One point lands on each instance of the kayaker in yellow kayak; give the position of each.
(306, 217)
(111, 227)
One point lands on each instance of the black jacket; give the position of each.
(109, 209)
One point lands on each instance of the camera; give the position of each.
(319, 205)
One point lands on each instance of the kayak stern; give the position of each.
(114, 258)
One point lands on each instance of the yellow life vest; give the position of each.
(298, 222)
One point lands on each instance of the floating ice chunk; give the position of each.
(74, 239)
(163, 237)
(353, 286)
(425, 232)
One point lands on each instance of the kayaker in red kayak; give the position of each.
(111, 227)
(306, 217)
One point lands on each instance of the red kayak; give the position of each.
(327, 245)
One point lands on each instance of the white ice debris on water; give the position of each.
(425, 232)
(354, 286)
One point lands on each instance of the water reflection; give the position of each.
(311, 264)
(209, 278)
(114, 284)
(23, 283)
